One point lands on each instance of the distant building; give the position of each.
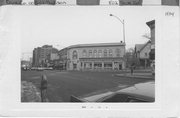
(151, 25)
(43, 55)
(53, 56)
(25, 64)
(170, 2)
(63, 58)
(102, 56)
(142, 54)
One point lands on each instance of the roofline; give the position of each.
(145, 45)
(150, 22)
(96, 45)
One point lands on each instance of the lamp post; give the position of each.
(123, 23)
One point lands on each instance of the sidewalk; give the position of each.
(137, 75)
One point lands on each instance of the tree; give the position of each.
(147, 35)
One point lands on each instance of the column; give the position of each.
(102, 65)
(92, 65)
(113, 65)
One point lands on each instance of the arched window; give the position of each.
(84, 53)
(110, 53)
(105, 53)
(75, 55)
(118, 52)
(95, 53)
(90, 53)
(99, 53)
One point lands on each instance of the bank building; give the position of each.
(100, 56)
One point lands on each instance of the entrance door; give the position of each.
(74, 66)
(120, 66)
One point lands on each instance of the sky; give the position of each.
(65, 26)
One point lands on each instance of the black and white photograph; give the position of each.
(89, 58)
(94, 55)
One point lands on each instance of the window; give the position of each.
(108, 65)
(75, 55)
(84, 53)
(118, 52)
(97, 65)
(146, 54)
(105, 53)
(95, 53)
(90, 53)
(99, 53)
(110, 53)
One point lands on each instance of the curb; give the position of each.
(137, 77)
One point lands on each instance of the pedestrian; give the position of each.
(132, 69)
(44, 84)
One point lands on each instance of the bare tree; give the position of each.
(147, 35)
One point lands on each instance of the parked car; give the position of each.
(142, 92)
(40, 69)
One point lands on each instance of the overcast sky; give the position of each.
(65, 26)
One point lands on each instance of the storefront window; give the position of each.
(88, 65)
(97, 65)
(108, 65)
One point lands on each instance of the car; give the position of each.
(40, 69)
(141, 92)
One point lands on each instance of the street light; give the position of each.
(123, 23)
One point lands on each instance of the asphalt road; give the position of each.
(61, 85)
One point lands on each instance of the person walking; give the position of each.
(44, 84)
(132, 69)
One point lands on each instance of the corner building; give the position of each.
(102, 56)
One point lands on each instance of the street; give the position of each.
(61, 85)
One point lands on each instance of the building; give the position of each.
(142, 54)
(63, 59)
(25, 64)
(151, 25)
(102, 56)
(170, 2)
(43, 55)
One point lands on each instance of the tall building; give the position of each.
(42, 55)
(101, 56)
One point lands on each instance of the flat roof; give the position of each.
(97, 45)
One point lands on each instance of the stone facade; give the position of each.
(109, 56)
